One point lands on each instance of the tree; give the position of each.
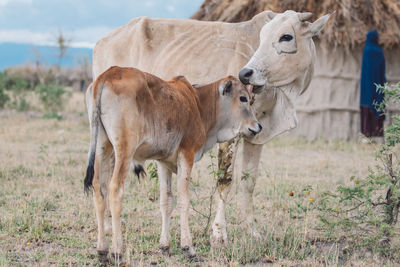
(63, 43)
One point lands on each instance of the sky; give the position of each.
(83, 22)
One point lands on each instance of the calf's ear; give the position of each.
(225, 87)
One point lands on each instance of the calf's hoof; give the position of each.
(102, 255)
(189, 252)
(165, 250)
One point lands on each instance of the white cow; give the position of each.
(276, 49)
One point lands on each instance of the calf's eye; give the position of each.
(243, 99)
(285, 38)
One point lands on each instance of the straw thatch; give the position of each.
(348, 26)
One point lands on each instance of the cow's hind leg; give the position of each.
(166, 205)
(102, 175)
(226, 159)
(251, 160)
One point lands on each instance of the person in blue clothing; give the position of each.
(372, 72)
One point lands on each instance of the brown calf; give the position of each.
(136, 115)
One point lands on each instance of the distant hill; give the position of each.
(12, 54)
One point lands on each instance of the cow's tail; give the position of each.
(94, 132)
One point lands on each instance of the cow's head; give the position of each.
(235, 114)
(286, 50)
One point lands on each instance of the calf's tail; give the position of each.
(139, 171)
(94, 132)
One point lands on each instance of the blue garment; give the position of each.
(372, 72)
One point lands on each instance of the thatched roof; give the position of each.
(348, 26)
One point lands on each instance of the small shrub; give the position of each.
(52, 96)
(4, 98)
(14, 91)
(18, 88)
(366, 210)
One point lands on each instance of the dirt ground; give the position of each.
(45, 218)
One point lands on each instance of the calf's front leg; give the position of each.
(226, 159)
(166, 205)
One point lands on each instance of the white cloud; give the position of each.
(24, 36)
(88, 37)
(84, 37)
(171, 8)
(149, 3)
(6, 2)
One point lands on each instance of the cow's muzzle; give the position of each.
(255, 131)
(245, 75)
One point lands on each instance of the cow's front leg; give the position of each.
(251, 160)
(226, 158)
(185, 164)
(166, 205)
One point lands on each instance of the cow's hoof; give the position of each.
(165, 250)
(117, 259)
(102, 255)
(218, 241)
(189, 252)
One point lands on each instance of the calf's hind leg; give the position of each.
(102, 175)
(123, 154)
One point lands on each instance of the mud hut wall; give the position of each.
(329, 109)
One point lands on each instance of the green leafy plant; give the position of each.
(152, 174)
(18, 88)
(4, 98)
(366, 209)
(53, 97)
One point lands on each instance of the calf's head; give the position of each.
(286, 50)
(235, 114)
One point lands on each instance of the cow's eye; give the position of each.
(285, 38)
(243, 99)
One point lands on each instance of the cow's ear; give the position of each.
(313, 29)
(225, 87)
(270, 15)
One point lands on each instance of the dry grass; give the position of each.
(45, 219)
